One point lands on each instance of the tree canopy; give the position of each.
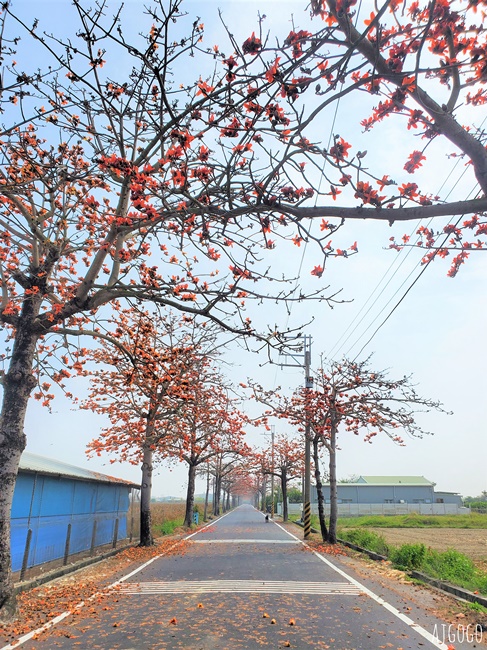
(130, 173)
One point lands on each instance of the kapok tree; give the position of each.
(286, 462)
(247, 478)
(258, 466)
(241, 481)
(210, 426)
(235, 482)
(142, 386)
(255, 480)
(351, 398)
(106, 159)
(106, 162)
(423, 64)
(204, 472)
(227, 488)
(222, 465)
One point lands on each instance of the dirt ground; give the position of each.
(471, 542)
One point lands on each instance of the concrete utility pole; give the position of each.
(273, 430)
(308, 383)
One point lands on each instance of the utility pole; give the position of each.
(273, 430)
(308, 384)
(303, 360)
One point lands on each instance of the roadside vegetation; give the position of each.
(478, 503)
(366, 539)
(479, 506)
(451, 565)
(474, 520)
(166, 517)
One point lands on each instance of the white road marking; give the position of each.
(424, 633)
(245, 541)
(242, 586)
(34, 633)
(390, 608)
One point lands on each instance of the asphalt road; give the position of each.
(243, 584)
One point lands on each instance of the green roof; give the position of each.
(395, 480)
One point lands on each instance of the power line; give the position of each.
(337, 105)
(387, 272)
(412, 284)
(298, 277)
(406, 292)
(384, 276)
(402, 284)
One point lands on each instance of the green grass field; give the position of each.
(473, 520)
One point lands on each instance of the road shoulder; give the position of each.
(421, 602)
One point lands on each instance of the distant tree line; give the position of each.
(478, 502)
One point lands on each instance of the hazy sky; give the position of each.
(437, 333)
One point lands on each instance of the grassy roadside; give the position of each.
(167, 517)
(474, 520)
(451, 565)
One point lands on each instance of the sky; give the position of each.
(436, 333)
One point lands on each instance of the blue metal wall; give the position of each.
(46, 505)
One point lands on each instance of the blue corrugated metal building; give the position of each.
(60, 509)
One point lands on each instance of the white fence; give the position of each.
(358, 509)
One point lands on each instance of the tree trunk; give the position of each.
(284, 495)
(332, 533)
(228, 500)
(319, 491)
(263, 491)
(216, 504)
(146, 538)
(218, 490)
(17, 386)
(213, 501)
(188, 517)
(207, 495)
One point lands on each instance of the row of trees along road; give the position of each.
(347, 396)
(285, 461)
(158, 386)
(351, 397)
(108, 160)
